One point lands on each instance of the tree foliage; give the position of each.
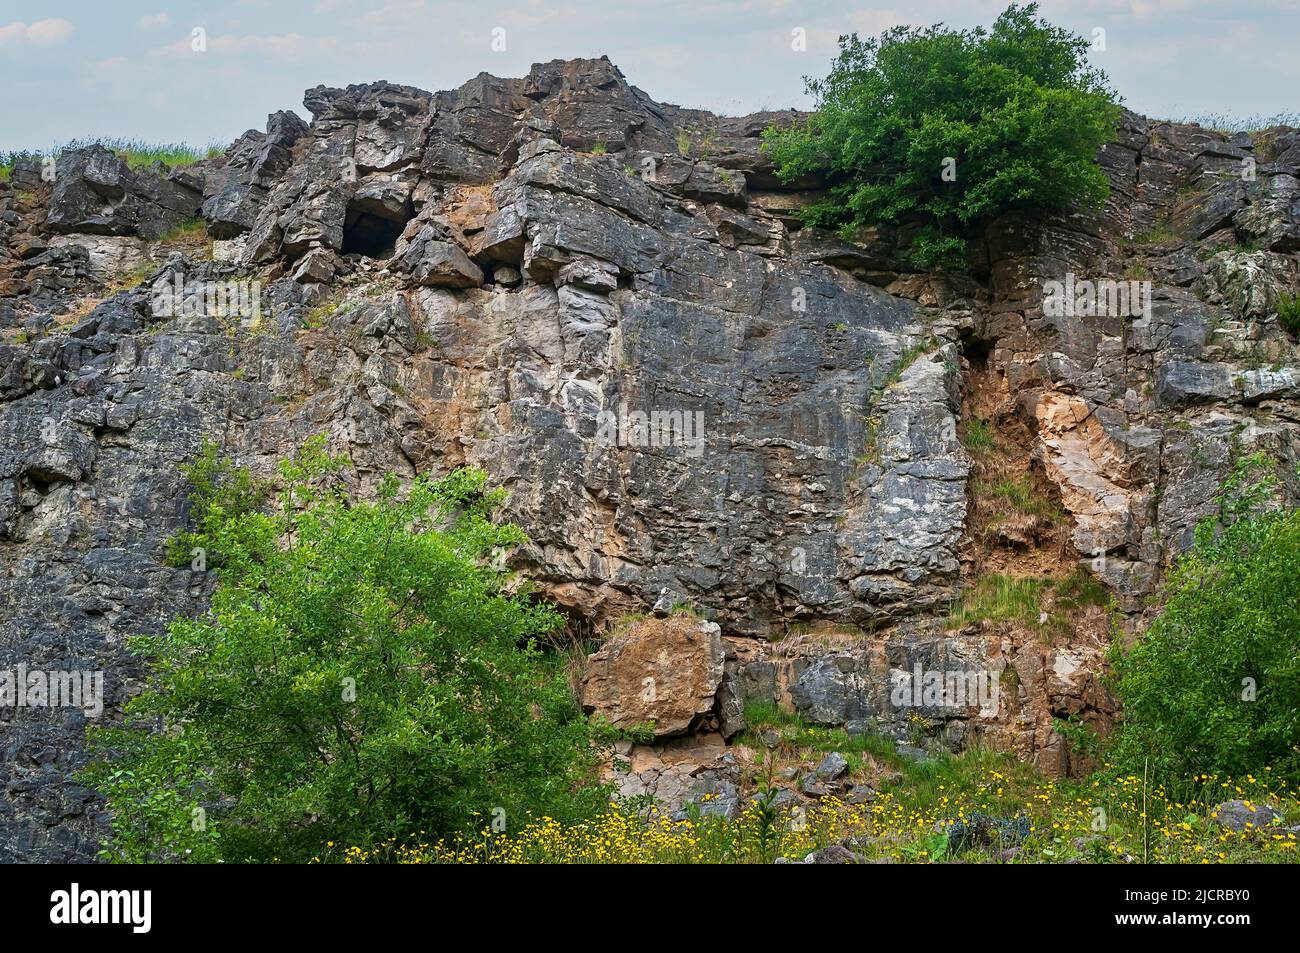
(365, 672)
(1213, 685)
(1014, 113)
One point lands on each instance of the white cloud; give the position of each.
(48, 32)
(291, 47)
(155, 19)
(40, 33)
(111, 65)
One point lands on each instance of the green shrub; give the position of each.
(1288, 311)
(219, 491)
(365, 672)
(1016, 106)
(1213, 685)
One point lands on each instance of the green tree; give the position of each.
(945, 129)
(218, 490)
(366, 671)
(1214, 683)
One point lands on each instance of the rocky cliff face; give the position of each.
(609, 304)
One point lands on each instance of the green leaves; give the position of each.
(1014, 115)
(366, 671)
(1213, 685)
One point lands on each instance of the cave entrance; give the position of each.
(366, 232)
(977, 352)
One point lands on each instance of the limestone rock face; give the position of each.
(235, 192)
(664, 671)
(611, 305)
(95, 192)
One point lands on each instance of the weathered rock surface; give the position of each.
(609, 304)
(96, 193)
(235, 192)
(663, 672)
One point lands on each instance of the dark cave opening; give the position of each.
(977, 351)
(365, 233)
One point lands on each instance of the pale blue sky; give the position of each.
(74, 68)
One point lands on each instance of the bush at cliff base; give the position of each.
(943, 130)
(364, 673)
(1213, 685)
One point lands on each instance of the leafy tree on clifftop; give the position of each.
(1014, 114)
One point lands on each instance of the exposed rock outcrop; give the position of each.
(609, 304)
(660, 674)
(97, 193)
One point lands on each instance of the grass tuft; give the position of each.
(979, 436)
(137, 153)
(998, 598)
(1017, 495)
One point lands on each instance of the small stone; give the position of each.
(860, 794)
(831, 767)
(912, 753)
(507, 276)
(833, 854)
(810, 786)
(1238, 816)
(780, 799)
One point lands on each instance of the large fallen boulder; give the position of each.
(660, 671)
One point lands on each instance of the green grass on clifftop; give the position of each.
(138, 153)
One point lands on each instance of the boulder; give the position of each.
(710, 797)
(983, 830)
(831, 854)
(832, 767)
(1239, 816)
(319, 265)
(664, 671)
(97, 193)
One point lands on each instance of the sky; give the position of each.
(120, 68)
